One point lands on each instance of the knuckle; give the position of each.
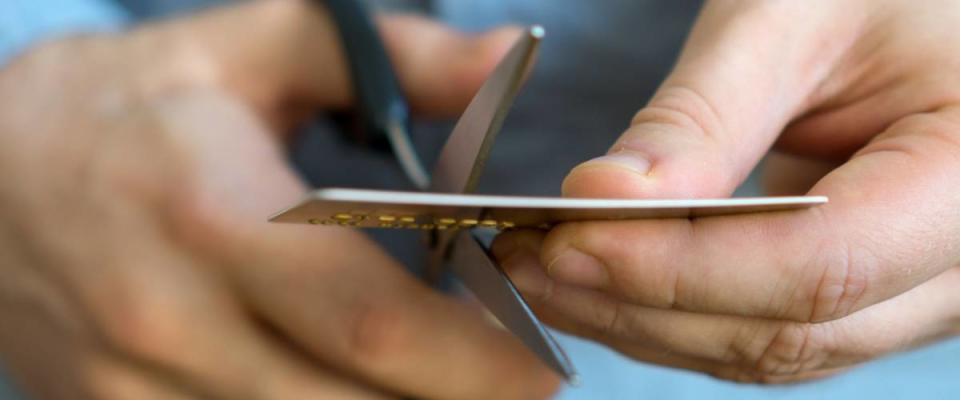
(560, 238)
(575, 236)
(185, 65)
(793, 348)
(107, 383)
(684, 107)
(937, 126)
(683, 117)
(640, 272)
(790, 351)
(643, 267)
(145, 325)
(612, 322)
(197, 222)
(743, 343)
(378, 338)
(735, 374)
(842, 283)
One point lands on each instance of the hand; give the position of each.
(137, 174)
(861, 99)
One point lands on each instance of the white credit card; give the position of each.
(417, 210)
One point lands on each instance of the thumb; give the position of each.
(287, 52)
(745, 71)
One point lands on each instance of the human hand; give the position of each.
(137, 174)
(861, 100)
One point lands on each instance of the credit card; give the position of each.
(364, 208)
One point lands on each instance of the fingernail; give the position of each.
(630, 160)
(576, 268)
(527, 274)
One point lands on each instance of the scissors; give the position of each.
(386, 118)
(446, 208)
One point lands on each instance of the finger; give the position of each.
(665, 357)
(790, 379)
(162, 298)
(639, 351)
(738, 347)
(594, 315)
(278, 52)
(650, 352)
(184, 323)
(873, 240)
(732, 91)
(337, 295)
(109, 377)
(509, 242)
(442, 88)
(789, 175)
(517, 252)
(681, 340)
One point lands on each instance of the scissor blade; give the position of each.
(462, 159)
(481, 274)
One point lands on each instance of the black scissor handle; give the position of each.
(381, 105)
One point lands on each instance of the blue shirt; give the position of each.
(25, 22)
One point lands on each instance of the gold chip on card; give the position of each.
(364, 208)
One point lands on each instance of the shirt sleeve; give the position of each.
(26, 22)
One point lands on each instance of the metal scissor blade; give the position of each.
(458, 170)
(480, 273)
(462, 159)
(407, 155)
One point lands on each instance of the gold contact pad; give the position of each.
(391, 221)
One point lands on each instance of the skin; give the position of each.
(860, 102)
(139, 170)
